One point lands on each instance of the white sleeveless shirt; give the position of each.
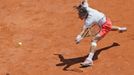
(94, 17)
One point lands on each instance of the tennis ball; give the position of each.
(20, 43)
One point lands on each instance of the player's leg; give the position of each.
(89, 61)
(120, 29)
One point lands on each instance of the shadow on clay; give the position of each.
(71, 61)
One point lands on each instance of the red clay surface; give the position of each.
(47, 30)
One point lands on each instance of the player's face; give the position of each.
(83, 16)
(82, 12)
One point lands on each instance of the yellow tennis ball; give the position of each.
(20, 43)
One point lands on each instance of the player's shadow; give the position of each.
(71, 61)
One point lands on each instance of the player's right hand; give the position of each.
(78, 39)
(77, 42)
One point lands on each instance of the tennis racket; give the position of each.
(92, 31)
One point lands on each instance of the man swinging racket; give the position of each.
(94, 17)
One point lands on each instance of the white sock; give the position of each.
(119, 28)
(90, 56)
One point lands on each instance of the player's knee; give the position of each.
(94, 44)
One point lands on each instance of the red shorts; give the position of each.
(106, 27)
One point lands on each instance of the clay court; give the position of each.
(47, 30)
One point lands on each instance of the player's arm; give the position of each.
(84, 29)
(80, 36)
(85, 3)
(87, 25)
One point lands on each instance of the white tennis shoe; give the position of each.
(121, 29)
(87, 62)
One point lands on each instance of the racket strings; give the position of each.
(93, 31)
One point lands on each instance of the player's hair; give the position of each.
(82, 11)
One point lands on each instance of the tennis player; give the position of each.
(92, 16)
